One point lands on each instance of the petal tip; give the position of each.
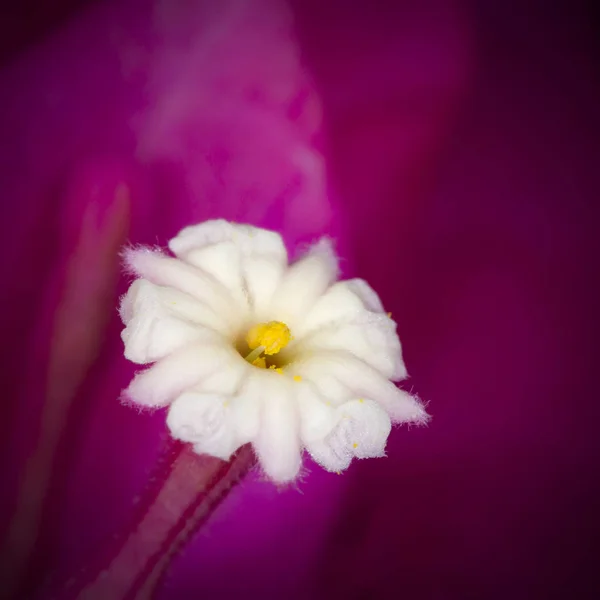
(140, 393)
(278, 470)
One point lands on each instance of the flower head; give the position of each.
(247, 348)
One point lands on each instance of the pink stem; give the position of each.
(181, 496)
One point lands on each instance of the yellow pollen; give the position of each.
(272, 336)
(297, 378)
(267, 339)
(355, 445)
(361, 400)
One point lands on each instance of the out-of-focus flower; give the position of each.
(250, 349)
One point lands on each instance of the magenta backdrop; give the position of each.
(451, 149)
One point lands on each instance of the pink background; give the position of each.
(452, 149)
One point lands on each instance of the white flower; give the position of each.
(250, 349)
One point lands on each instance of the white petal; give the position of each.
(319, 424)
(165, 271)
(178, 372)
(277, 443)
(317, 421)
(339, 376)
(251, 240)
(152, 337)
(235, 409)
(338, 304)
(367, 294)
(370, 337)
(365, 426)
(361, 430)
(303, 283)
(155, 327)
(205, 421)
(127, 301)
(262, 275)
(249, 261)
(349, 317)
(178, 303)
(223, 262)
(228, 380)
(316, 417)
(246, 406)
(329, 454)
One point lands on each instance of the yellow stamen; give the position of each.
(276, 369)
(268, 339)
(273, 336)
(260, 362)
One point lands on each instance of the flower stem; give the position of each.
(186, 491)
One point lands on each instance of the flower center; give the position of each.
(268, 339)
